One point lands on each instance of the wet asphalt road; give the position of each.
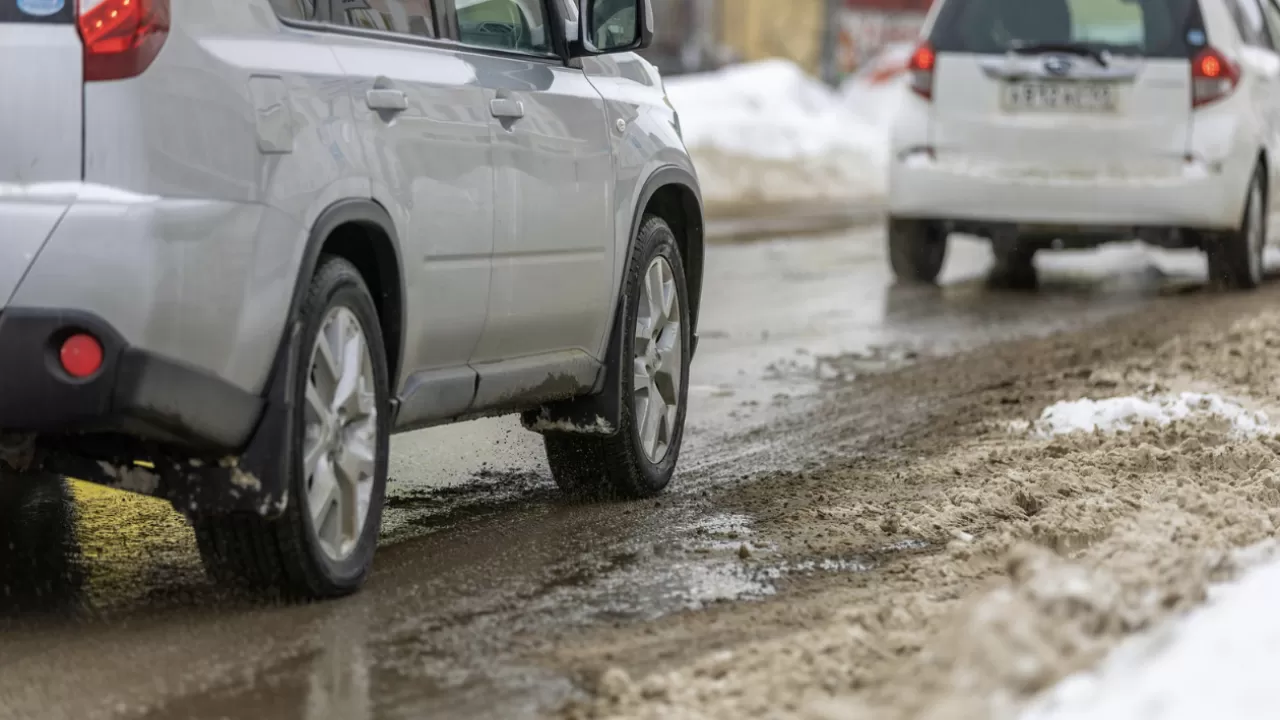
(483, 567)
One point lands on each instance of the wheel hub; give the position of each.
(341, 434)
(659, 360)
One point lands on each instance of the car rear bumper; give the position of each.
(1202, 198)
(206, 283)
(135, 392)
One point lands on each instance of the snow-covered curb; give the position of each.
(1218, 661)
(765, 135)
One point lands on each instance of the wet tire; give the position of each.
(40, 568)
(288, 556)
(917, 250)
(626, 465)
(1015, 269)
(1235, 258)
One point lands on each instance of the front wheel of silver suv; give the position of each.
(323, 544)
(639, 459)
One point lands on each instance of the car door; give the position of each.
(426, 133)
(549, 305)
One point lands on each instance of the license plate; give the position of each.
(1059, 97)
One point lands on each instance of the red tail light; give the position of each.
(1213, 77)
(121, 37)
(920, 69)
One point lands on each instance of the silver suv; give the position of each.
(247, 240)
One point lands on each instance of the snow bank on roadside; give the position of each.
(767, 133)
(1121, 414)
(1218, 661)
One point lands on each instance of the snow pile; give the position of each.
(767, 133)
(1121, 414)
(1219, 661)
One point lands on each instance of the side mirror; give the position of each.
(613, 26)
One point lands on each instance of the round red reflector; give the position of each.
(81, 355)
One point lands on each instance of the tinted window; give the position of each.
(1273, 22)
(408, 17)
(505, 24)
(294, 9)
(1154, 28)
(1247, 15)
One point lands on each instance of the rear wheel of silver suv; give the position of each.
(323, 544)
(639, 459)
(1235, 258)
(917, 249)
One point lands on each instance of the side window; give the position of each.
(294, 9)
(407, 17)
(1249, 21)
(505, 24)
(1272, 12)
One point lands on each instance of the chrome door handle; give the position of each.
(506, 108)
(386, 99)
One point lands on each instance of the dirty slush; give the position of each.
(997, 561)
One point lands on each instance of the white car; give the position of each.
(1052, 124)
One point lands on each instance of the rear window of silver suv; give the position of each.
(1151, 28)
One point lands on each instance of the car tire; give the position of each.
(638, 460)
(40, 570)
(1014, 269)
(917, 249)
(322, 546)
(1235, 258)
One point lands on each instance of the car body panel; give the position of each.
(41, 77)
(197, 149)
(650, 144)
(432, 166)
(553, 248)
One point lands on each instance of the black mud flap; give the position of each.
(599, 413)
(256, 481)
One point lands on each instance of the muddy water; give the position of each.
(485, 573)
(1043, 553)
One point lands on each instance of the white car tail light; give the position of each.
(1213, 77)
(920, 68)
(121, 37)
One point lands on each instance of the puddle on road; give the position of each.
(714, 559)
(415, 511)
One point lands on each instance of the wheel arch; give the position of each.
(673, 194)
(361, 231)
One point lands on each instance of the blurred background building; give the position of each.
(829, 38)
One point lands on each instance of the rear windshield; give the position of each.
(1152, 28)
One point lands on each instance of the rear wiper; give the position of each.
(1102, 57)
